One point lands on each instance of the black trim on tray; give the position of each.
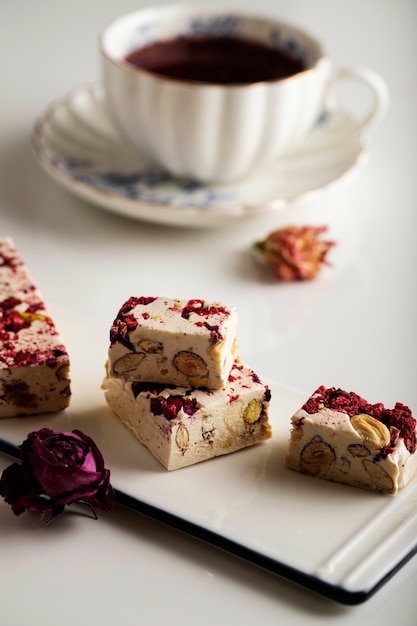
(9, 448)
(332, 592)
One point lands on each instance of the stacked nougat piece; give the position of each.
(174, 379)
(34, 363)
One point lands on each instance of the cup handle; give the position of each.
(377, 87)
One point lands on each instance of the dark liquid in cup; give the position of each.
(221, 60)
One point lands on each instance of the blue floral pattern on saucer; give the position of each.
(77, 144)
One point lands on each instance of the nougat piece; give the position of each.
(34, 364)
(337, 435)
(182, 426)
(178, 342)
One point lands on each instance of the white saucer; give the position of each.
(77, 144)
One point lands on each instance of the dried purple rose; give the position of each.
(57, 468)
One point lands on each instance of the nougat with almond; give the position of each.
(173, 341)
(182, 426)
(34, 363)
(337, 435)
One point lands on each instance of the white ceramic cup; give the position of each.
(210, 132)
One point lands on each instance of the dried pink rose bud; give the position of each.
(295, 252)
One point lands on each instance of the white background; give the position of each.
(354, 327)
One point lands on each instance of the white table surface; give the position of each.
(354, 327)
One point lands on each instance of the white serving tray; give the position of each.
(341, 542)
